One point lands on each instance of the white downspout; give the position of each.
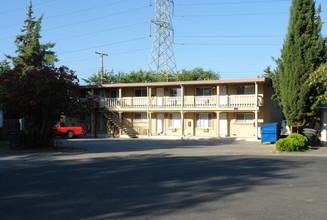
(147, 113)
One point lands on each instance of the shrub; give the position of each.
(294, 142)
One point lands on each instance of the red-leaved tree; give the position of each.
(41, 97)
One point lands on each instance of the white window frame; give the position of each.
(247, 90)
(178, 92)
(175, 120)
(142, 117)
(203, 120)
(247, 118)
(203, 93)
(144, 93)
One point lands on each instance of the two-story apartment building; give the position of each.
(212, 108)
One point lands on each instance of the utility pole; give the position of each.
(101, 80)
(162, 58)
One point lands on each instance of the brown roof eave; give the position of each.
(178, 83)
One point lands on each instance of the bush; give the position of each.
(294, 142)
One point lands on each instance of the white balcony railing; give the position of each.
(237, 101)
(233, 101)
(166, 102)
(112, 102)
(134, 102)
(199, 101)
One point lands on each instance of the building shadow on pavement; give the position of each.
(133, 187)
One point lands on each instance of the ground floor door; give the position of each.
(160, 123)
(324, 128)
(223, 124)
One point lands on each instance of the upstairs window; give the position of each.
(175, 92)
(245, 90)
(206, 91)
(141, 93)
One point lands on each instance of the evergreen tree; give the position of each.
(304, 50)
(30, 52)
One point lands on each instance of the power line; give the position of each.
(105, 30)
(84, 21)
(21, 8)
(103, 45)
(224, 44)
(97, 18)
(86, 9)
(113, 54)
(241, 14)
(231, 3)
(67, 13)
(232, 36)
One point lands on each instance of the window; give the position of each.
(244, 118)
(242, 90)
(203, 120)
(175, 92)
(140, 117)
(175, 120)
(207, 91)
(141, 93)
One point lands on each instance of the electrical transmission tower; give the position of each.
(162, 59)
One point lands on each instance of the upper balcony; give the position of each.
(232, 101)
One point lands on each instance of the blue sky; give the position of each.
(236, 38)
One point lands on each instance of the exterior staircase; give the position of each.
(126, 126)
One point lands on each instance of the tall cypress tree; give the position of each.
(30, 52)
(303, 52)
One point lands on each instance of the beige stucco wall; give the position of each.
(243, 129)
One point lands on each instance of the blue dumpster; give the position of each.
(269, 133)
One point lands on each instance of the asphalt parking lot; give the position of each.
(156, 179)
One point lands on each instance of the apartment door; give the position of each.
(222, 96)
(102, 98)
(160, 97)
(160, 123)
(222, 124)
(324, 128)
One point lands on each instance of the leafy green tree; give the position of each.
(108, 77)
(318, 81)
(141, 76)
(30, 52)
(197, 74)
(304, 50)
(35, 90)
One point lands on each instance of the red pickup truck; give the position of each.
(71, 132)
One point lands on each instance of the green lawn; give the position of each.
(4, 144)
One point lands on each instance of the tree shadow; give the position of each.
(134, 186)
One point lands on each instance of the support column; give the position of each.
(217, 124)
(93, 114)
(120, 93)
(256, 110)
(182, 113)
(147, 113)
(217, 98)
(120, 123)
